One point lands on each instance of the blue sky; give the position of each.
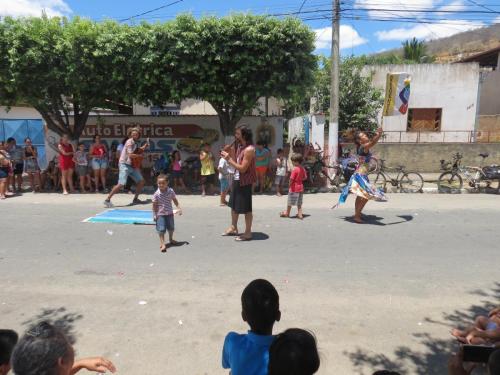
(368, 26)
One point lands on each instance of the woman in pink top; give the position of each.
(177, 171)
(99, 155)
(66, 163)
(296, 191)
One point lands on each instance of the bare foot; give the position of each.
(301, 217)
(358, 220)
(284, 214)
(163, 248)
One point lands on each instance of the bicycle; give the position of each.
(479, 177)
(407, 182)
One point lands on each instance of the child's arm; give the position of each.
(492, 335)
(155, 209)
(97, 364)
(176, 202)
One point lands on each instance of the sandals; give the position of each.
(242, 239)
(163, 249)
(229, 233)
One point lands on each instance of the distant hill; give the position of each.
(460, 45)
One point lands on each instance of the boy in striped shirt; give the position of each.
(163, 212)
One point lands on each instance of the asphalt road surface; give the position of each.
(380, 295)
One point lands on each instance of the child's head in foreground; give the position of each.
(294, 352)
(162, 182)
(260, 306)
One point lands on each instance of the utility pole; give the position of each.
(333, 129)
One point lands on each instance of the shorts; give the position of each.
(4, 173)
(208, 179)
(295, 199)
(81, 170)
(279, 180)
(126, 171)
(240, 199)
(31, 166)
(261, 171)
(164, 223)
(177, 174)
(224, 184)
(18, 169)
(99, 164)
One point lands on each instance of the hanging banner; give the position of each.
(397, 94)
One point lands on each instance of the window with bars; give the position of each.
(424, 119)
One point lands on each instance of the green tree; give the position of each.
(63, 68)
(229, 62)
(416, 51)
(360, 102)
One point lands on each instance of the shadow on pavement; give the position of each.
(259, 236)
(377, 220)
(60, 318)
(433, 358)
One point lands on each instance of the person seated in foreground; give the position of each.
(45, 350)
(294, 352)
(8, 340)
(248, 354)
(486, 330)
(456, 365)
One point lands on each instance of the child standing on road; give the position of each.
(207, 169)
(248, 354)
(81, 160)
(226, 173)
(163, 212)
(281, 168)
(296, 190)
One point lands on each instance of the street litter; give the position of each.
(110, 232)
(180, 322)
(143, 302)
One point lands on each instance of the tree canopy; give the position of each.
(69, 67)
(63, 68)
(359, 101)
(230, 62)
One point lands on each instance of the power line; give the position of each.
(150, 11)
(481, 5)
(302, 6)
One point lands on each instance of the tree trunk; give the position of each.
(227, 119)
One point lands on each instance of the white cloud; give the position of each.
(428, 31)
(20, 8)
(497, 20)
(349, 37)
(398, 5)
(457, 5)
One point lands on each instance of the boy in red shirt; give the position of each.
(296, 191)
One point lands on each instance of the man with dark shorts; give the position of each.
(16, 156)
(126, 169)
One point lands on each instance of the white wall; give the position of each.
(20, 113)
(452, 87)
(201, 107)
(489, 103)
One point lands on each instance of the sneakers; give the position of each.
(108, 204)
(138, 201)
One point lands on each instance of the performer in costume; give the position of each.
(359, 183)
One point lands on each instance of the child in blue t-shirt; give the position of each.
(248, 354)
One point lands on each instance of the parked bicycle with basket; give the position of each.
(477, 177)
(405, 181)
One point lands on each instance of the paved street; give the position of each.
(380, 294)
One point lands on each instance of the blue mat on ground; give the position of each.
(123, 217)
